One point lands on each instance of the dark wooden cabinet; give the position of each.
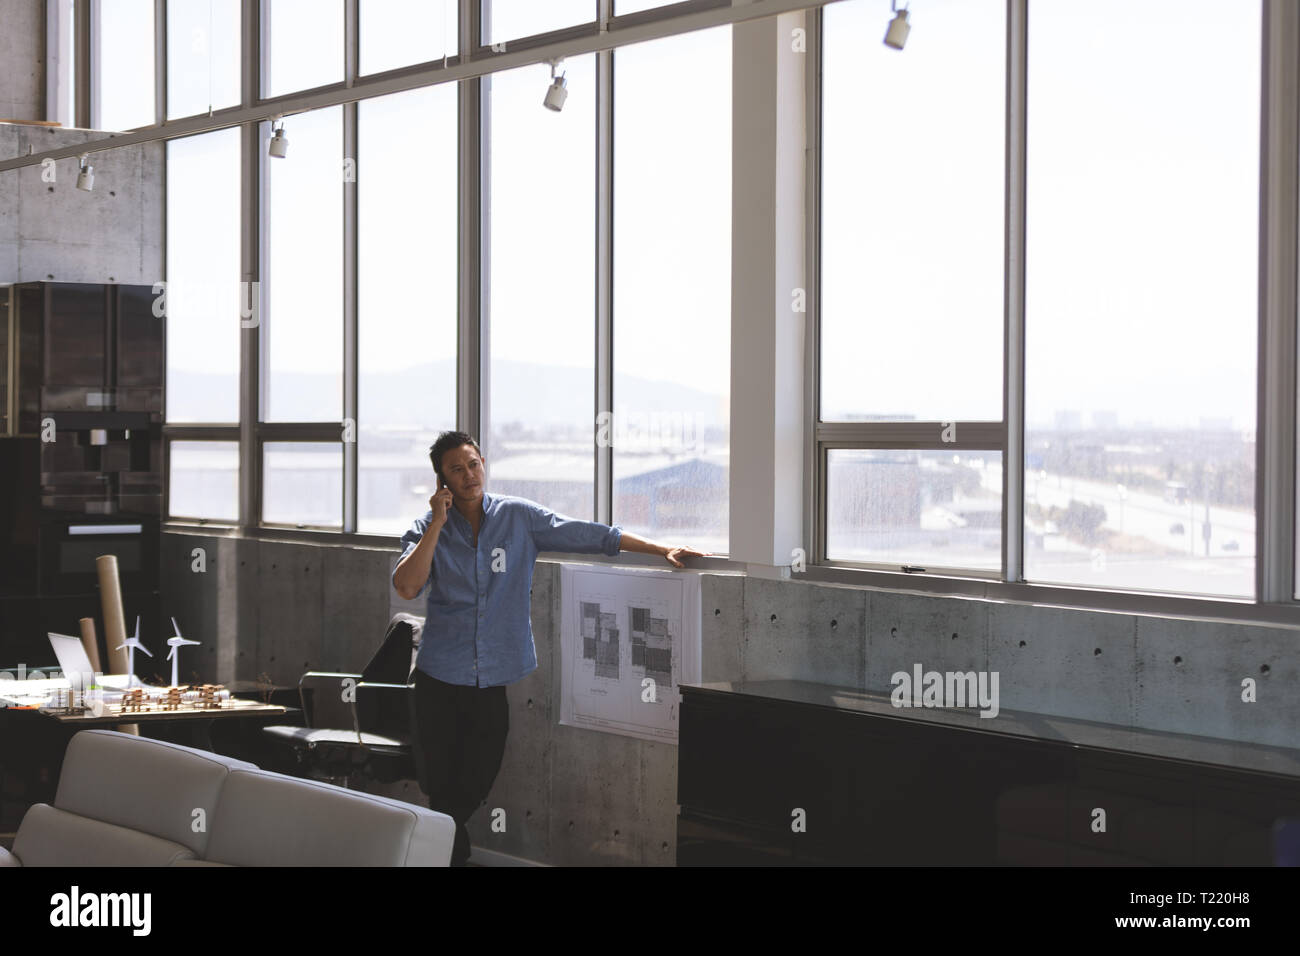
(876, 785)
(80, 458)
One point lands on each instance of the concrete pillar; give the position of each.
(767, 333)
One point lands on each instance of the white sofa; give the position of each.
(125, 800)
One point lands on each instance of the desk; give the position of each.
(885, 785)
(18, 695)
(201, 720)
(32, 742)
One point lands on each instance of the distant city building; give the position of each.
(1105, 419)
(1069, 420)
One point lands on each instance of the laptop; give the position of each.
(74, 661)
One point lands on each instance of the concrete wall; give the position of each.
(576, 796)
(50, 229)
(22, 59)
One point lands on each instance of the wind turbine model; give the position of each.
(131, 644)
(174, 654)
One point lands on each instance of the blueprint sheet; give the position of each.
(628, 638)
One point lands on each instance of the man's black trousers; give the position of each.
(462, 733)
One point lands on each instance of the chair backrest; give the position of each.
(327, 700)
(395, 659)
(385, 683)
(339, 701)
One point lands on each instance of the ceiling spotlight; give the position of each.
(279, 144)
(86, 177)
(896, 35)
(557, 92)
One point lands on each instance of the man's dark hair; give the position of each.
(449, 441)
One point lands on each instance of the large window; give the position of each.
(406, 260)
(305, 43)
(928, 509)
(1141, 289)
(1124, 459)
(510, 19)
(912, 251)
(203, 291)
(124, 92)
(204, 480)
(672, 287)
(61, 26)
(1142, 295)
(396, 33)
(202, 56)
(303, 356)
(912, 215)
(622, 7)
(302, 484)
(205, 304)
(542, 195)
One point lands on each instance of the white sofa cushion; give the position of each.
(144, 784)
(272, 819)
(53, 837)
(198, 863)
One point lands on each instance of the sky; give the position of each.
(1141, 224)
(673, 143)
(1143, 135)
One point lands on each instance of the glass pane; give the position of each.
(305, 307)
(912, 213)
(202, 56)
(204, 480)
(672, 284)
(302, 484)
(622, 7)
(203, 301)
(1142, 295)
(305, 39)
(126, 58)
(921, 508)
(407, 300)
(65, 15)
(398, 33)
(543, 188)
(511, 19)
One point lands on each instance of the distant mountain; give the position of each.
(531, 394)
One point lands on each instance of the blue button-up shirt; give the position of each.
(477, 627)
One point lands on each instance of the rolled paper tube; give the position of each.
(110, 594)
(89, 643)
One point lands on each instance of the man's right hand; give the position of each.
(440, 504)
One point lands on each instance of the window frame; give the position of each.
(1278, 494)
(473, 149)
(1277, 572)
(1004, 436)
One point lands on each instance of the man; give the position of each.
(475, 552)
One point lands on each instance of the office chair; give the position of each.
(359, 724)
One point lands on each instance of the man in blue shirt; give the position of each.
(475, 554)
